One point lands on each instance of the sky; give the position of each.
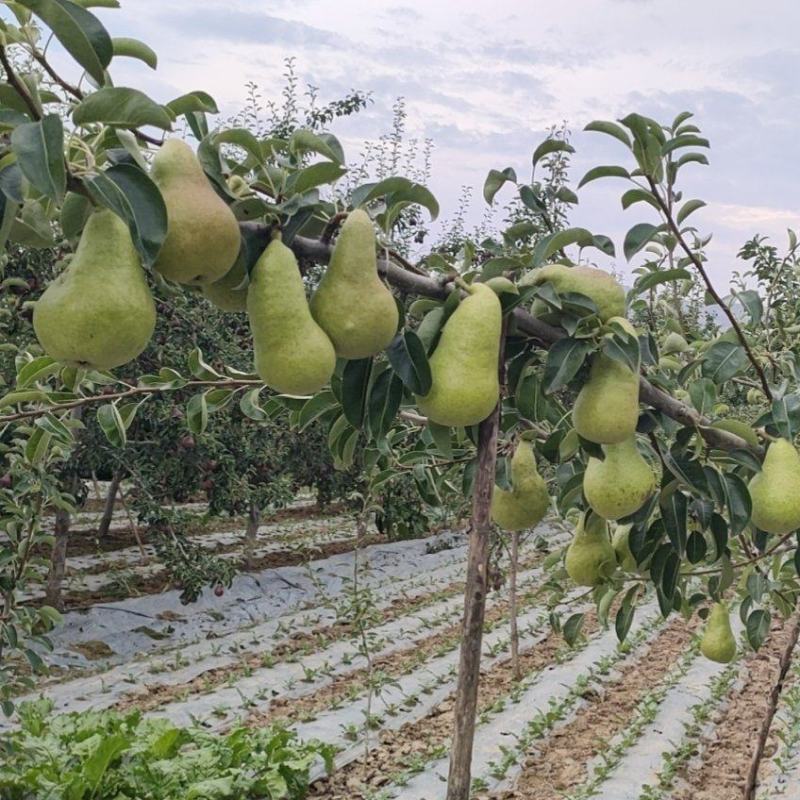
(486, 80)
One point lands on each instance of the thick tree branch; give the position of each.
(440, 286)
(698, 264)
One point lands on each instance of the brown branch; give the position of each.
(330, 228)
(439, 287)
(772, 705)
(18, 85)
(698, 264)
(136, 391)
(748, 561)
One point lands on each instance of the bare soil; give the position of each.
(560, 763)
(719, 771)
(426, 737)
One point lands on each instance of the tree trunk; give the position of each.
(58, 555)
(458, 782)
(108, 511)
(513, 605)
(253, 520)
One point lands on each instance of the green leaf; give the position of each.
(637, 237)
(551, 146)
(651, 279)
(495, 181)
(739, 504)
(355, 382)
(197, 414)
(79, 31)
(36, 370)
(611, 129)
(757, 627)
(324, 172)
(110, 421)
(250, 406)
(199, 368)
(549, 245)
(603, 172)
(407, 356)
(624, 618)
(752, 304)
(39, 147)
(687, 208)
(304, 141)
(384, 403)
(316, 407)
(193, 101)
(396, 190)
(687, 140)
(696, 547)
(723, 360)
(241, 137)
(125, 107)
(564, 359)
(673, 512)
(133, 48)
(639, 196)
(571, 629)
(131, 194)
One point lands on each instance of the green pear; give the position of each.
(669, 364)
(527, 502)
(754, 396)
(674, 343)
(598, 285)
(620, 541)
(293, 354)
(775, 491)
(740, 428)
(229, 293)
(590, 557)
(718, 643)
(202, 233)
(465, 388)
(98, 313)
(620, 484)
(606, 410)
(351, 304)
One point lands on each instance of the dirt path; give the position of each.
(559, 763)
(720, 770)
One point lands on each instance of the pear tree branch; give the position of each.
(698, 265)
(440, 286)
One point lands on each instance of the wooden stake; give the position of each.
(766, 724)
(475, 589)
(513, 605)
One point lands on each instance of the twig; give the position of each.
(698, 264)
(18, 85)
(772, 705)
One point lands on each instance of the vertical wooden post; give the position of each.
(513, 605)
(108, 511)
(251, 534)
(475, 589)
(58, 555)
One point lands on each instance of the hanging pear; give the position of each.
(465, 388)
(351, 304)
(590, 557)
(718, 643)
(98, 313)
(674, 343)
(596, 284)
(527, 502)
(229, 293)
(775, 491)
(620, 484)
(292, 353)
(606, 410)
(202, 233)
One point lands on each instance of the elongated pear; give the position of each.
(527, 502)
(606, 410)
(775, 491)
(620, 484)
(293, 354)
(98, 313)
(351, 304)
(718, 643)
(465, 387)
(229, 293)
(674, 343)
(596, 284)
(203, 237)
(590, 557)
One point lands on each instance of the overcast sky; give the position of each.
(485, 80)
